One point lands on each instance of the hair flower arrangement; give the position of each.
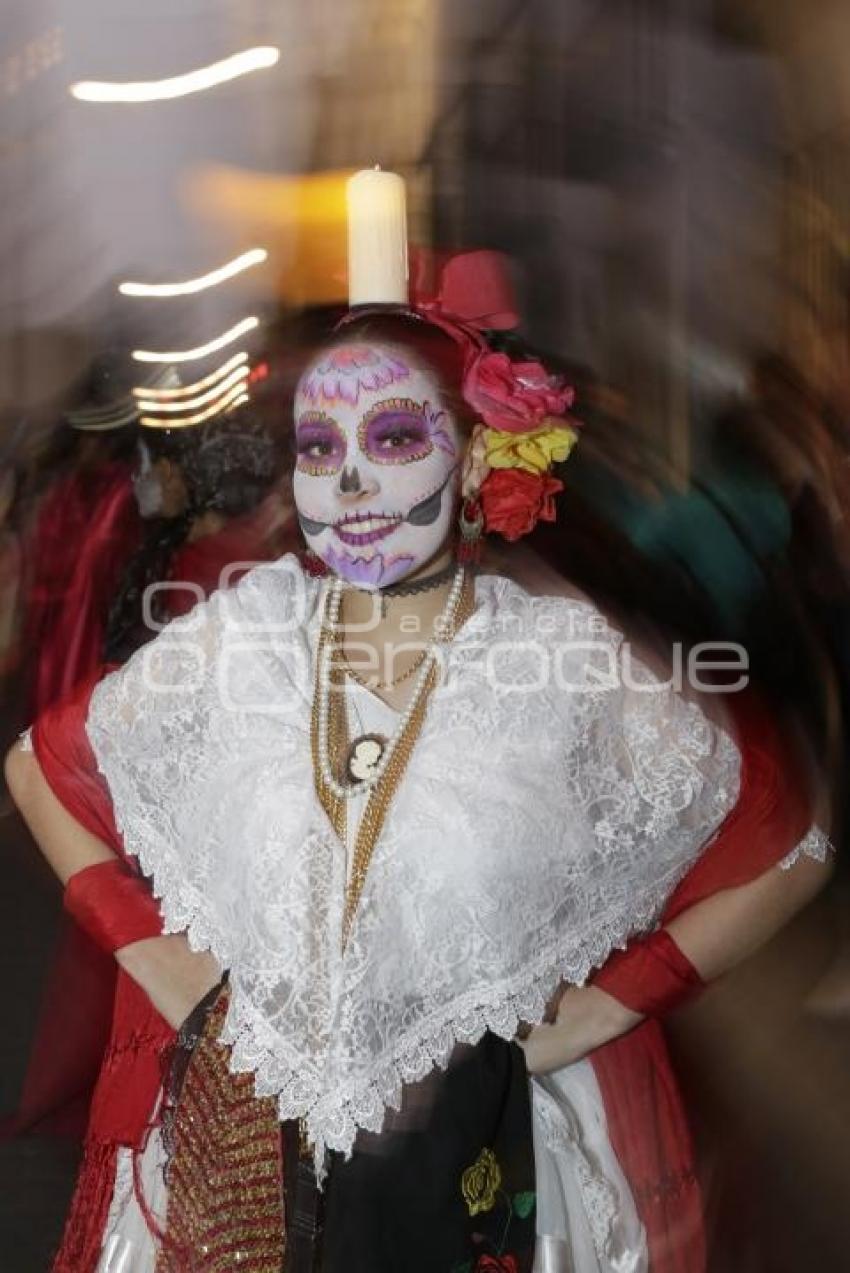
(513, 397)
(523, 424)
(523, 431)
(534, 452)
(514, 501)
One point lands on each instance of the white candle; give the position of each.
(377, 239)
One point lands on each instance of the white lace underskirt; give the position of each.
(128, 1243)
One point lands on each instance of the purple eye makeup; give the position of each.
(400, 431)
(319, 445)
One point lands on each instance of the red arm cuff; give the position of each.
(651, 976)
(113, 905)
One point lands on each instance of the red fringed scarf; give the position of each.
(78, 1061)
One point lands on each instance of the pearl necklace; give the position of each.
(443, 630)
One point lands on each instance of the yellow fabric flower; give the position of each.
(535, 451)
(480, 1182)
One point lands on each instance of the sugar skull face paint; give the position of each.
(347, 371)
(377, 476)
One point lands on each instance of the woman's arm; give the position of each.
(724, 929)
(714, 935)
(65, 843)
(174, 977)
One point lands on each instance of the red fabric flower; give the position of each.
(513, 501)
(497, 1264)
(513, 396)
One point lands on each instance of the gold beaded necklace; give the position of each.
(380, 797)
(386, 685)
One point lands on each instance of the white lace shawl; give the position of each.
(546, 815)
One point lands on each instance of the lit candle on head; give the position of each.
(377, 238)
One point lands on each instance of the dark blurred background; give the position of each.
(670, 181)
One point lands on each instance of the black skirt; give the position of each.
(446, 1187)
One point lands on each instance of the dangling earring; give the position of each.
(313, 564)
(471, 524)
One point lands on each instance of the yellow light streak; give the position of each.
(186, 391)
(188, 404)
(201, 351)
(230, 68)
(246, 261)
(234, 399)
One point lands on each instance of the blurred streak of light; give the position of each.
(237, 266)
(230, 68)
(185, 391)
(188, 404)
(303, 214)
(233, 400)
(103, 421)
(200, 351)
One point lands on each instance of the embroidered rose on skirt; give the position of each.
(480, 1183)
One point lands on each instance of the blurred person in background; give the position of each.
(790, 432)
(685, 561)
(782, 479)
(211, 497)
(85, 529)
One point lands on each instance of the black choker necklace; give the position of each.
(415, 586)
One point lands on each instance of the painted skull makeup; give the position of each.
(377, 472)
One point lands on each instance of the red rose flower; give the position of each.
(497, 1264)
(514, 501)
(513, 396)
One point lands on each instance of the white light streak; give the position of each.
(230, 68)
(186, 391)
(188, 404)
(188, 355)
(164, 379)
(229, 403)
(101, 422)
(241, 263)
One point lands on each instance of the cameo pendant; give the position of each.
(364, 756)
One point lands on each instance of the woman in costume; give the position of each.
(406, 812)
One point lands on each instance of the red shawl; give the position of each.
(645, 1115)
(87, 530)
